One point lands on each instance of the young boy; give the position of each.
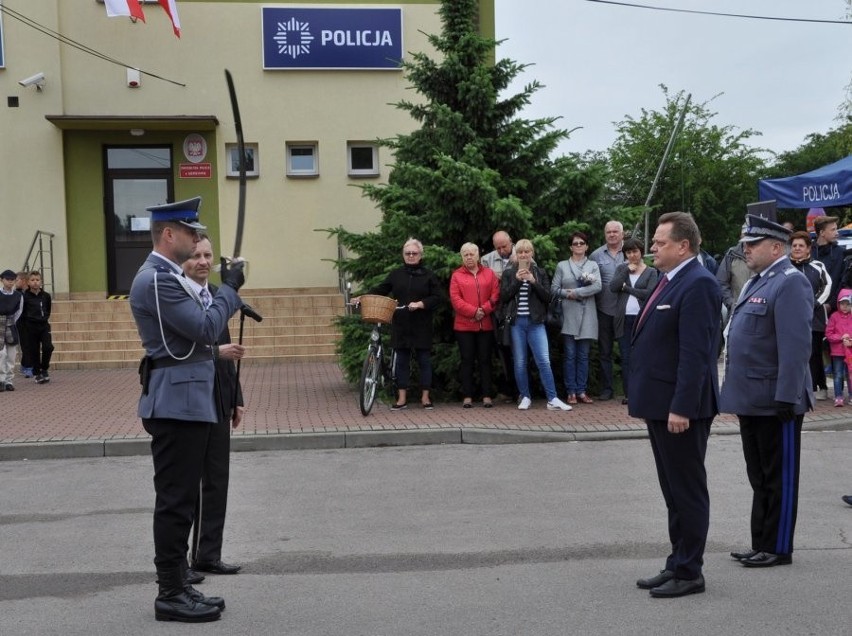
(37, 304)
(22, 284)
(11, 307)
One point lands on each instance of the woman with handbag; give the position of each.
(633, 281)
(474, 292)
(576, 282)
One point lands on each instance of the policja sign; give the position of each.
(362, 38)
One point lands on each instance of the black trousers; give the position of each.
(683, 480)
(475, 352)
(817, 364)
(177, 448)
(772, 451)
(39, 347)
(210, 515)
(606, 338)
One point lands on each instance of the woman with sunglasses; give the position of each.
(576, 282)
(416, 288)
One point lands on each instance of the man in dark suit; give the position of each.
(177, 405)
(768, 386)
(209, 523)
(674, 388)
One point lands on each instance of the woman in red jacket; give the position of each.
(474, 291)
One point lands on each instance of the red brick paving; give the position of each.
(292, 398)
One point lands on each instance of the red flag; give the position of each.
(170, 7)
(130, 8)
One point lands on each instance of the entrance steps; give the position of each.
(90, 332)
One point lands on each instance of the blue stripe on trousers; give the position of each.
(788, 476)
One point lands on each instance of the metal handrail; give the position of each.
(343, 282)
(39, 257)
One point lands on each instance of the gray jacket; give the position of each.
(580, 316)
(172, 323)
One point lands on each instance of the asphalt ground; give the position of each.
(92, 413)
(449, 540)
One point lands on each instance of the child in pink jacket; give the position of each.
(838, 332)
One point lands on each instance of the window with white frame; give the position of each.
(302, 159)
(362, 159)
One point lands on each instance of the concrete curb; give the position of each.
(68, 449)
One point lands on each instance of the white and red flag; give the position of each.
(170, 7)
(127, 8)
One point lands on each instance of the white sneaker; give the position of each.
(524, 404)
(821, 394)
(557, 405)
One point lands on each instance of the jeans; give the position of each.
(475, 351)
(624, 348)
(526, 333)
(576, 366)
(606, 337)
(403, 368)
(838, 366)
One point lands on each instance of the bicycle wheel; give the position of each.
(369, 383)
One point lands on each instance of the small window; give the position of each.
(362, 160)
(233, 156)
(302, 159)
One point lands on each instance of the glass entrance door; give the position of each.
(136, 178)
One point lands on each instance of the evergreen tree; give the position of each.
(473, 166)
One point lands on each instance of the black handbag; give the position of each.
(554, 313)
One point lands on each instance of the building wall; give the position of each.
(57, 175)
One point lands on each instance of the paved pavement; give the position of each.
(300, 405)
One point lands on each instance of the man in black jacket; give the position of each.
(206, 548)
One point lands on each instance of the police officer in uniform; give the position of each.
(177, 403)
(768, 386)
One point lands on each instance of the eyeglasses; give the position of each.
(578, 243)
(412, 253)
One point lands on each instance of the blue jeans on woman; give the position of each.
(528, 336)
(838, 367)
(576, 365)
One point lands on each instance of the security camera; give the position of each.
(36, 80)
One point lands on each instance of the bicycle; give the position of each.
(378, 370)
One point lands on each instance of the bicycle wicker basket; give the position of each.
(377, 308)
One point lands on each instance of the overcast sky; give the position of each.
(601, 62)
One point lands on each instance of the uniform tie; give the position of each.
(647, 308)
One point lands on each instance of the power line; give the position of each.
(20, 17)
(727, 15)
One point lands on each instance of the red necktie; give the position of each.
(647, 308)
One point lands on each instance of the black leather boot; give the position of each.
(174, 604)
(197, 596)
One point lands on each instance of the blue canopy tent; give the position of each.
(828, 186)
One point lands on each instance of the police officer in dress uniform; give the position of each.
(177, 403)
(768, 386)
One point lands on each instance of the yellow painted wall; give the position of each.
(329, 107)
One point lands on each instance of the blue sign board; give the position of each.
(2, 57)
(329, 38)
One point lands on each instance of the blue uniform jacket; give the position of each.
(769, 344)
(184, 391)
(673, 355)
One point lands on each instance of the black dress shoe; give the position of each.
(193, 577)
(606, 395)
(678, 587)
(767, 560)
(654, 581)
(847, 499)
(739, 556)
(216, 567)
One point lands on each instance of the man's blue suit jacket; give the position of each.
(674, 349)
